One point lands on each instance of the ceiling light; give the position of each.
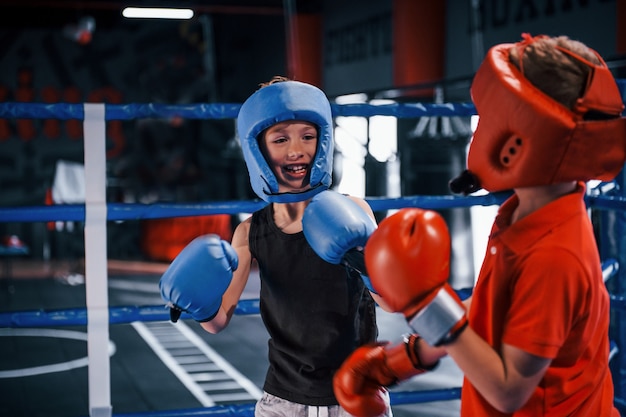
(156, 13)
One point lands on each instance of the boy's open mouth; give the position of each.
(296, 169)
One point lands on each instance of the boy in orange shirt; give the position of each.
(533, 338)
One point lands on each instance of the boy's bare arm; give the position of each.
(506, 379)
(238, 283)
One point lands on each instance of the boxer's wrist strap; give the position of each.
(411, 343)
(441, 321)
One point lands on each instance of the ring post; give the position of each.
(94, 126)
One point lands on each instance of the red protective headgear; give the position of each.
(526, 138)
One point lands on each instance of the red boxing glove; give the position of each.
(409, 257)
(408, 261)
(360, 382)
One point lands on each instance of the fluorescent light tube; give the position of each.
(156, 13)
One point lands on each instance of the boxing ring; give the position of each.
(609, 208)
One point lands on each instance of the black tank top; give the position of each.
(316, 313)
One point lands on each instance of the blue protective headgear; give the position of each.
(279, 102)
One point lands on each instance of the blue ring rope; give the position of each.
(135, 211)
(128, 314)
(247, 409)
(216, 111)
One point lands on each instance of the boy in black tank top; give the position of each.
(316, 312)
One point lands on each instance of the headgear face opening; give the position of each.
(279, 102)
(525, 138)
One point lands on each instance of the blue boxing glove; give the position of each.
(198, 277)
(337, 229)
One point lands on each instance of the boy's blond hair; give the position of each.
(275, 79)
(553, 71)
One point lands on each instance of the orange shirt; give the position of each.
(540, 289)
